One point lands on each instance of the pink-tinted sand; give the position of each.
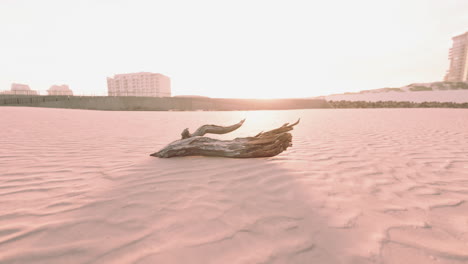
(358, 186)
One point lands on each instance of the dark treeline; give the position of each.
(395, 104)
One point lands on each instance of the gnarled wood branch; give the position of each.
(265, 144)
(211, 129)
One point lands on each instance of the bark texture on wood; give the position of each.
(265, 144)
(211, 129)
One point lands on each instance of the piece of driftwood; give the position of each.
(211, 129)
(264, 144)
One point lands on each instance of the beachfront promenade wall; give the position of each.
(159, 104)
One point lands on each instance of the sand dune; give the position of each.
(358, 186)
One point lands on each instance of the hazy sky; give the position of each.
(242, 48)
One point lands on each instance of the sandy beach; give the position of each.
(357, 186)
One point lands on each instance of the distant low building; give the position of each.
(20, 89)
(60, 90)
(458, 56)
(139, 84)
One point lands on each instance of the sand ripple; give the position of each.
(358, 186)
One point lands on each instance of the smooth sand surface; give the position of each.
(358, 186)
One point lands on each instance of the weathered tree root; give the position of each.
(265, 144)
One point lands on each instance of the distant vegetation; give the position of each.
(438, 86)
(393, 90)
(420, 88)
(395, 104)
(382, 90)
(459, 85)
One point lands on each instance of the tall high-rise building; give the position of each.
(458, 56)
(139, 84)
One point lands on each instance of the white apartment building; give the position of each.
(60, 90)
(458, 56)
(139, 84)
(21, 89)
